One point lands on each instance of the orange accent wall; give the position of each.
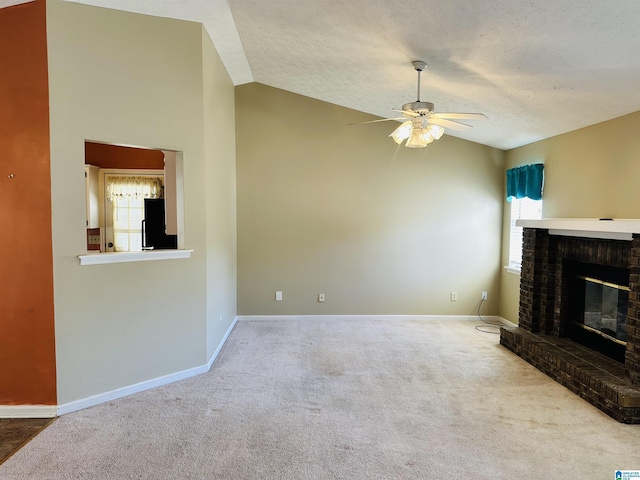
(27, 334)
(114, 156)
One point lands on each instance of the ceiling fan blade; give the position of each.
(376, 121)
(408, 113)
(461, 116)
(449, 124)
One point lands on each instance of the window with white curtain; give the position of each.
(124, 208)
(521, 209)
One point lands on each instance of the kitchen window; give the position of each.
(124, 208)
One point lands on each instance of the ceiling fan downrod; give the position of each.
(419, 66)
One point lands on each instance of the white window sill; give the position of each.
(126, 257)
(514, 270)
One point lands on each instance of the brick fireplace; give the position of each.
(553, 251)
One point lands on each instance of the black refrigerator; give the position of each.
(154, 235)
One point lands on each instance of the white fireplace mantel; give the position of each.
(616, 228)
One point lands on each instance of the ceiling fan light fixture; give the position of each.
(401, 133)
(436, 131)
(417, 139)
(424, 125)
(428, 136)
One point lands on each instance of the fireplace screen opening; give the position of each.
(599, 317)
(605, 308)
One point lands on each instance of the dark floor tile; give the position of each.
(16, 432)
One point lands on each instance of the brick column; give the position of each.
(632, 355)
(560, 310)
(548, 265)
(537, 281)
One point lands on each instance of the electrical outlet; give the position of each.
(321, 297)
(485, 296)
(278, 295)
(454, 296)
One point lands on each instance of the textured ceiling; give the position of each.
(536, 68)
(10, 3)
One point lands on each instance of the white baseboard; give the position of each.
(142, 386)
(258, 318)
(503, 321)
(28, 411)
(130, 390)
(221, 344)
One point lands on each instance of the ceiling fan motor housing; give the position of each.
(422, 108)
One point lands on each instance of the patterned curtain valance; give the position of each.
(130, 186)
(526, 181)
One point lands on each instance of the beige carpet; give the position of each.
(352, 399)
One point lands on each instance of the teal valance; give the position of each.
(525, 181)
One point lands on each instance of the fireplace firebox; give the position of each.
(580, 308)
(597, 300)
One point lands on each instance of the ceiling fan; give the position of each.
(422, 124)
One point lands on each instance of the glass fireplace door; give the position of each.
(605, 308)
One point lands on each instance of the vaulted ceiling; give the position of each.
(535, 68)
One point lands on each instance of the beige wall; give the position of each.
(592, 172)
(324, 207)
(220, 194)
(136, 80)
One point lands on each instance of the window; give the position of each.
(124, 208)
(521, 209)
(524, 191)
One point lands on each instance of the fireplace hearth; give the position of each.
(579, 310)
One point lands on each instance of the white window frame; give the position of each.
(521, 209)
(106, 220)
